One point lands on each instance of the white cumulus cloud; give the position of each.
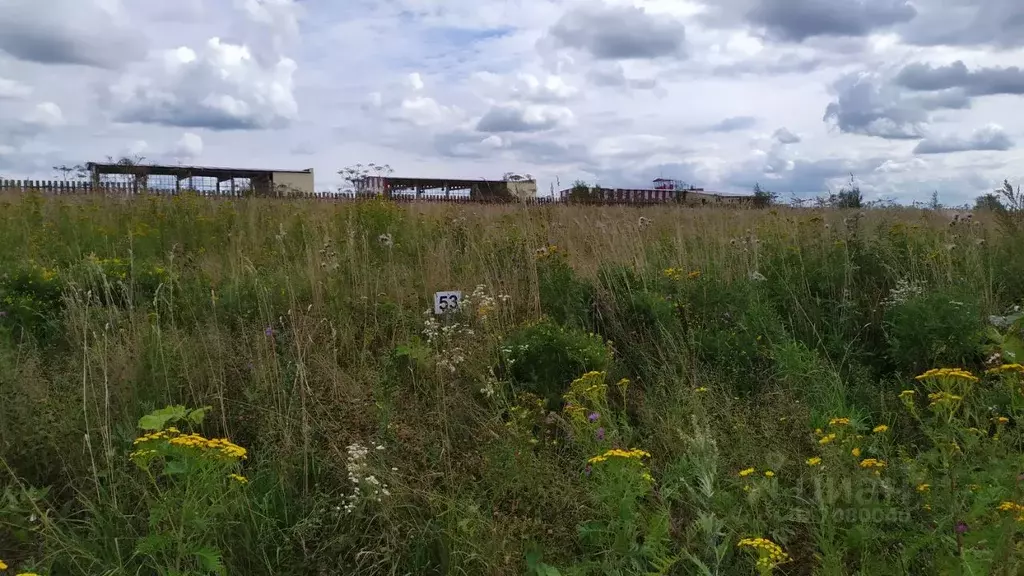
(221, 86)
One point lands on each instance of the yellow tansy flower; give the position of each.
(635, 454)
(855, 452)
(827, 439)
(746, 472)
(813, 461)
(924, 487)
(880, 428)
(769, 474)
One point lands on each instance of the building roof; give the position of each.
(697, 192)
(186, 171)
(450, 183)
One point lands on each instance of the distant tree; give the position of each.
(988, 202)
(514, 177)
(849, 196)
(934, 204)
(78, 169)
(355, 174)
(580, 192)
(763, 198)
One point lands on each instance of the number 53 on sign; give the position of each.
(448, 301)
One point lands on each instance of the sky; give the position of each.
(909, 98)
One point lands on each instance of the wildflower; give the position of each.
(386, 240)
(949, 373)
(238, 478)
(769, 474)
(593, 417)
(813, 461)
(839, 422)
(693, 275)
(880, 428)
(826, 439)
(818, 432)
(746, 472)
(1013, 507)
(672, 273)
(924, 487)
(907, 394)
(1001, 420)
(268, 331)
(600, 434)
(1005, 368)
(2, 565)
(943, 398)
(634, 454)
(961, 527)
(872, 463)
(855, 452)
(769, 553)
(702, 389)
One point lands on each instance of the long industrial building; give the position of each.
(664, 190)
(497, 190)
(156, 176)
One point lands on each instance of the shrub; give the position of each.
(935, 328)
(563, 295)
(644, 324)
(30, 299)
(731, 330)
(543, 358)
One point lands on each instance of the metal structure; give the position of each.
(664, 190)
(141, 177)
(482, 190)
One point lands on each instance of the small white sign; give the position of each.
(448, 301)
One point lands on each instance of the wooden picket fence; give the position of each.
(127, 189)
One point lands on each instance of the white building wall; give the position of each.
(292, 182)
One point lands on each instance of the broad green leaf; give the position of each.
(195, 417)
(158, 419)
(1013, 349)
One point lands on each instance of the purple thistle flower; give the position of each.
(593, 417)
(961, 527)
(269, 331)
(600, 433)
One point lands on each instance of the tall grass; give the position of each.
(302, 326)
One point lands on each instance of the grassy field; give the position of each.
(196, 386)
